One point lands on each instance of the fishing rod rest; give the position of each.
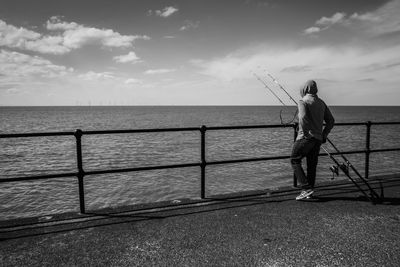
(335, 169)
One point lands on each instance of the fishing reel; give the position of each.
(335, 169)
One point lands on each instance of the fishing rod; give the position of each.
(345, 170)
(280, 100)
(269, 88)
(343, 167)
(375, 195)
(280, 86)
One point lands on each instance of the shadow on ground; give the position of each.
(338, 192)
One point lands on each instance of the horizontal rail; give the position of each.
(154, 130)
(385, 123)
(11, 135)
(385, 150)
(239, 127)
(245, 160)
(350, 124)
(365, 123)
(344, 152)
(39, 177)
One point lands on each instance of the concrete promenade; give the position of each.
(267, 228)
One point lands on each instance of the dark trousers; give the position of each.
(308, 148)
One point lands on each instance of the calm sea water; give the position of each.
(46, 155)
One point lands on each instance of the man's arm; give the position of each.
(329, 122)
(302, 112)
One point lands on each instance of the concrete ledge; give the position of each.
(259, 228)
(278, 194)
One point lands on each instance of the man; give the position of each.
(312, 113)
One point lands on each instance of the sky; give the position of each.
(192, 52)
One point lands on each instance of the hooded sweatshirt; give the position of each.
(312, 113)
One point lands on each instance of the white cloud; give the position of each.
(131, 57)
(21, 38)
(94, 76)
(133, 81)
(55, 23)
(336, 18)
(13, 91)
(312, 30)
(365, 17)
(341, 72)
(188, 24)
(323, 62)
(384, 20)
(166, 12)
(159, 71)
(325, 23)
(76, 36)
(67, 36)
(13, 36)
(297, 68)
(14, 64)
(48, 45)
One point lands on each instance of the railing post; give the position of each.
(295, 125)
(367, 148)
(81, 172)
(203, 163)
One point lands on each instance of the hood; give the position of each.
(309, 88)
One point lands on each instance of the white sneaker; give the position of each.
(305, 194)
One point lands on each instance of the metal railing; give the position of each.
(81, 173)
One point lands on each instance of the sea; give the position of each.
(28, 156)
